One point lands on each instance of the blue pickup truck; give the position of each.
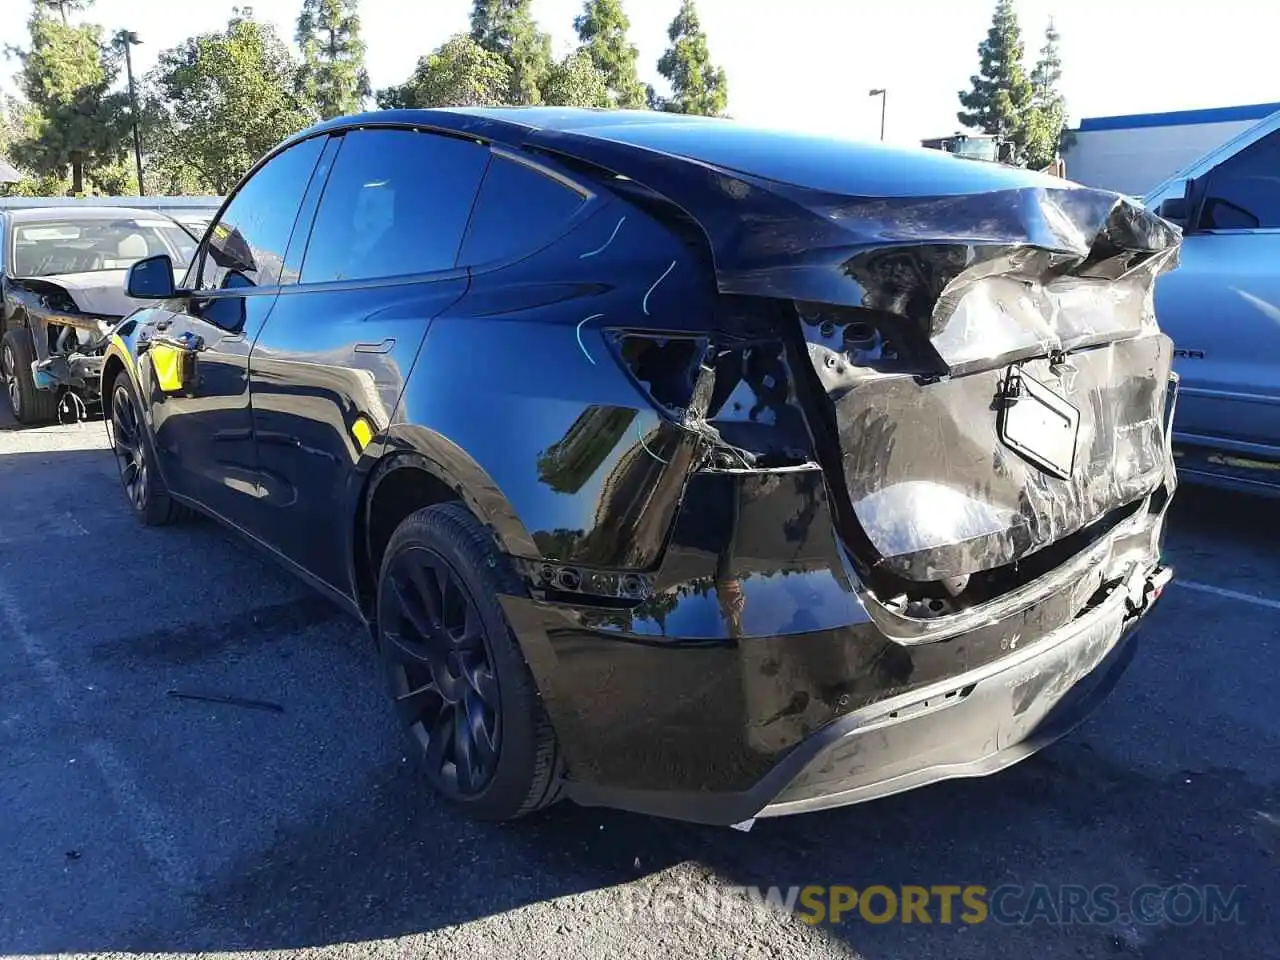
(1222, 309)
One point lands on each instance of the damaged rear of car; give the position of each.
(928, 410)
(682, 467)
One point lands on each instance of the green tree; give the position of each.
(576, 82)
(602, 27)
(507, 28)
(459, 73)
(1047, 116)
(1000, 95)
(63, 7)
(71, 120)
(222, 100)
(697, 85)
(333, 75)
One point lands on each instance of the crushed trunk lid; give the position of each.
(987, 376)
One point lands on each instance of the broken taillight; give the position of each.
(739, 394)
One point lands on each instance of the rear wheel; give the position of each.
(135, 456)
(29, 405)
(461, 687)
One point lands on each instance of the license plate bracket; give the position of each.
(1038, 424)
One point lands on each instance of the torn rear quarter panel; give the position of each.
(919, 314)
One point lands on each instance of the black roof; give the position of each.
(830, 164)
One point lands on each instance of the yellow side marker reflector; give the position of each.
(362, 430)
(167, 362)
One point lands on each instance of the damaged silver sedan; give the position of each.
(62, 287)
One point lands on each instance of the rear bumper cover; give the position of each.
(972, 724)
(749, 687)
(978, 723)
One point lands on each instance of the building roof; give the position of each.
(1175, 118)
(7, 173)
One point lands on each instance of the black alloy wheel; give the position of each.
(441, 671)
(129, 448)
(135, 456)
(466, 699)
(8, 368)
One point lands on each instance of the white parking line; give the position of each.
(1229, 594)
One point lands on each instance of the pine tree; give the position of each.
(71, 120)
(64, 7)
(1047, 115)
(333, 75)
(602, 27)
(507, 28)
(1001, 94)
(1048, 69)
(697, 85)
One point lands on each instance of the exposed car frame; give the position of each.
(62, 373)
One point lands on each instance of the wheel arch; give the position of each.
(414, 468)
(119, 356)
(111, 369)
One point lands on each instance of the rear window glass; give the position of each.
(396, 203)
(519, 209)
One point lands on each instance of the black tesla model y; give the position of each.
(675, 465)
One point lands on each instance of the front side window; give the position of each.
(1243, 192)
(250, 237)
(519, 209)
(49, 247)
(396, 203)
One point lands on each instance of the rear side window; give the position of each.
(1243, 192)
(396, 203)
(518, 209)
(250, 237)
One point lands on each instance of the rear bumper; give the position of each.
(974, 723)
(749, 686)
(977, 723)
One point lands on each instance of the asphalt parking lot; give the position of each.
(136, 822)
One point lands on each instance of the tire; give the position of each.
(449, 653)
(29, 405)
(135, 456)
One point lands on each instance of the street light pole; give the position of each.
(884, 96)
(127, 39)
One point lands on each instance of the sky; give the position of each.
(809, 64)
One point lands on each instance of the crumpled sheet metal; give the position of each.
(1006, 270)
(934, 488)
(939, 494)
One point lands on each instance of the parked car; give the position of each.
(672, 464)
(1222, 309)
(62, 275)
